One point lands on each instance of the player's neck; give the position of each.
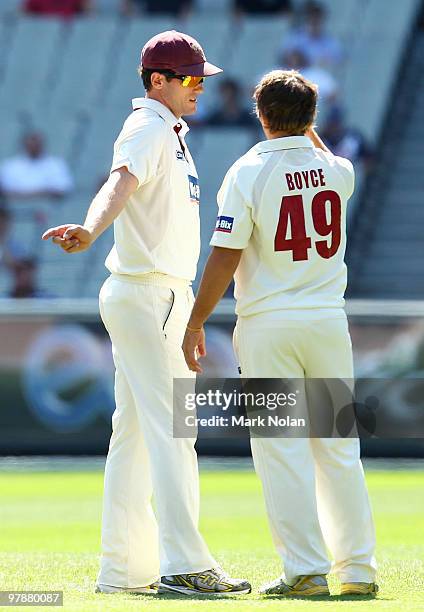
(152, 95)
(281, 134)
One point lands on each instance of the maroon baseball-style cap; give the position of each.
(177, 52)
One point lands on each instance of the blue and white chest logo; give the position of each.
(194, 189)
(224, 224)
(179, 154)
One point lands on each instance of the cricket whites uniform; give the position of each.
(145, 305)
(284, 204)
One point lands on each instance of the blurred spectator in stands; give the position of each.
(10, 249)
(345, 141)
(319, 47)
(261, 7)
(231, 111)
(58, 8)
(34, 173)
(296, 59)
(24, 283)
(178, 8)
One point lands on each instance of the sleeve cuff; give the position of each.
(221, 242)
(125, 163)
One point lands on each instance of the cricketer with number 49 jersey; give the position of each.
(284, 203)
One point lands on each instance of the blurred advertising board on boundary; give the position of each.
(57, 373)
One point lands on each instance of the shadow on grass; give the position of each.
(296, 598)
(329, 598)
(245, 597)
(180, 596)
(358, 598)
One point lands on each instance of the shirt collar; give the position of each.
(288, 142)
(163, 111)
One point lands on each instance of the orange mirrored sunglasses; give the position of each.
(191, 81)
(187, 81)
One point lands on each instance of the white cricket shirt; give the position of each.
(159, 228)
(284, 203)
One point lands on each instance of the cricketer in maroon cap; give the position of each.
(173, 66)
(178, 52)
(152, 197)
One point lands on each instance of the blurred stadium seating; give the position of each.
(74, 81)
(386, 256)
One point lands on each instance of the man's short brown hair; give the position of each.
(146, 76)
(286, 101)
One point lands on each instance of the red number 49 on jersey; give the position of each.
(299, 243)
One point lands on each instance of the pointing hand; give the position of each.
(71, 238)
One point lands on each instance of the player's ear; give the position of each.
(264, 125)
(157, 79)
(261, 119)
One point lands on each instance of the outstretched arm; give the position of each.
(217, 275)
(103, 210)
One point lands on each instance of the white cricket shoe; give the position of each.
(210, 582)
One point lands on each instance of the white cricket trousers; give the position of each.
(314, 489)
(146, 319)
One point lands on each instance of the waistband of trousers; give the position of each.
(154, 278)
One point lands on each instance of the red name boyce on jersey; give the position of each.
(305, 179)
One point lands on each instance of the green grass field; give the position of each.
(50, 529)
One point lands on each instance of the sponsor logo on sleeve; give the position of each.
(224, 224)
(194, 188)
